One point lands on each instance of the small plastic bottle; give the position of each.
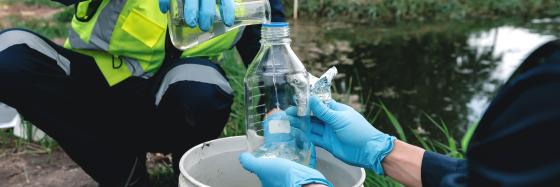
(247, 12)
(276, 99)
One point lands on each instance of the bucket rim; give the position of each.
(184, 173)
(184, 157)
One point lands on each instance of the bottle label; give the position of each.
(278, 126)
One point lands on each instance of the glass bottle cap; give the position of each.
(276, 24)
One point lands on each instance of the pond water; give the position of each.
(449, 71)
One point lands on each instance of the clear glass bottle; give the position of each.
(276, 99)
(247, 12)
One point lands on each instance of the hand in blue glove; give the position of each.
(277, 172)
(202, 12)
(276, 119)
(348, 135)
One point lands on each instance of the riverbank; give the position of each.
(396, 11)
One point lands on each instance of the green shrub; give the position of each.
(394, 11)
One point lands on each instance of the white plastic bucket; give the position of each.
(216, 163)
(9, 117)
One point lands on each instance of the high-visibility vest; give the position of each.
(127, 37)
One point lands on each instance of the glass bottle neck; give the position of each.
(275, 36)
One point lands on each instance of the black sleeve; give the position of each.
(249, 44)
(515, 144)
(67, 2)
(437, 168)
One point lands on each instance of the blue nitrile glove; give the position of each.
(275, 119)
(202, 12)
(278, 172)
(348, 135)
(164, 6)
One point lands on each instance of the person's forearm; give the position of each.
(404, 164)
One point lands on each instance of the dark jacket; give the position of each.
(514, 144)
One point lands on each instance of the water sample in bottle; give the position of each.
(247, 12)
(276, 99)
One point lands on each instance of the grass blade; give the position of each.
(467, 137)
(421, 140)
(394, 122)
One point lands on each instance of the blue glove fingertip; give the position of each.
(163, 6)
(205, 23)
(320, 109)
(206, 14)
(248, 161)
(190, 13)
(227, 11)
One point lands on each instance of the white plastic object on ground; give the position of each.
(9, 117)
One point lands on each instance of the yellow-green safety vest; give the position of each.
(127, 37)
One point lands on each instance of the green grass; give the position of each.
(394, 11)
(10, 143)
(49, 29)
(29, 131)
(235, 71)
(48, 3)
(162, 175)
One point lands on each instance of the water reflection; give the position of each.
(445, 71)
(513, 44)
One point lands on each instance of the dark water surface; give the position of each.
(449, 71)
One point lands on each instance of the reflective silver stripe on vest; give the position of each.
(135, 68)
(193, 72)
(102, 30)
(77, 43)
(15, 37)
(101, 36)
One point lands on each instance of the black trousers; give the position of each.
(107, 130)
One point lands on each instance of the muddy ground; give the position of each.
(25, 164)
(31, 165)
(10, 13)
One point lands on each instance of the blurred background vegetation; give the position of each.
(396, 11)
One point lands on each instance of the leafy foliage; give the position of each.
(394, 11)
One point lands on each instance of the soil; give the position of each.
(25, 164)
(30, 165)
(24, 12)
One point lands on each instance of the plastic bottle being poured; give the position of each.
(247, 12)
